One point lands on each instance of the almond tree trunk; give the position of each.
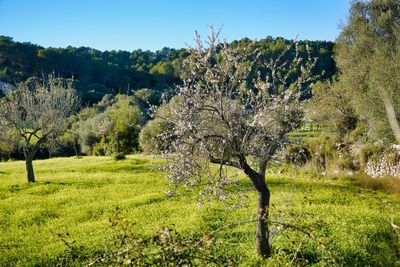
(29, 170)
(76, 147)
(262, 233)
(29, 155)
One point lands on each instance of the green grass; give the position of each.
(78, 196)
(306, 131)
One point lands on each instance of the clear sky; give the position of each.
(153, 24)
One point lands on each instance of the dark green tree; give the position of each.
(368, 56)
(331, 108)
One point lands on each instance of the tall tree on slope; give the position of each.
(368, 56)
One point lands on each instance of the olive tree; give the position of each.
(236, 109)
(368, 55)
(36, 113)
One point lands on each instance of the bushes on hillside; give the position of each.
(297, 154)
(110, 127)
(152, 138)
(321, 154)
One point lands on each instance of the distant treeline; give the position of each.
(99, 73)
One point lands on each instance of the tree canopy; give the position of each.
(235, 109)
(368, 56)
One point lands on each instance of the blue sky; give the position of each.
(153, 24)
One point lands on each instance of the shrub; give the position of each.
(297, 155)
(345, 162)
(323, 149)
(119, 156)
(104, 147)
(370, 152)
(321, 154)
(152, 137)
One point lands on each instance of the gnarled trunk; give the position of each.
(29, 170)
(262, 233)
(76, 147)
(29, 155)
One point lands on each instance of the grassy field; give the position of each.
(349, 225)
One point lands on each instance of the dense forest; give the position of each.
(98, 73)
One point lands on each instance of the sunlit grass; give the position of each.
(78, 195)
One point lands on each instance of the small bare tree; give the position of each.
(36, 113)
(235, 110)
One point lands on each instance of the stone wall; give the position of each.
(386, 165)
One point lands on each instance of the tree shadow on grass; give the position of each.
(127, 165)
(16, 188)
(112, 168)
(381, 249)
(304, 185)
(300, 185)
(151, 201)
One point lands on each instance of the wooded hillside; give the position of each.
(98, 73)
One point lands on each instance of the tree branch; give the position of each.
(225, 162)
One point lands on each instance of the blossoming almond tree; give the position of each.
(35, 114)
(236, 109)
